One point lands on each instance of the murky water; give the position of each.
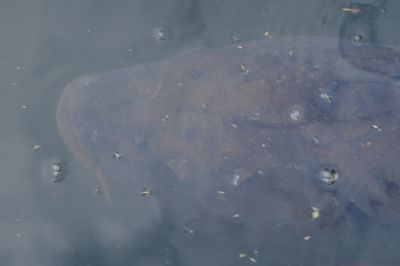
(52, 209)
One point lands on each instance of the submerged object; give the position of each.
(287, 146)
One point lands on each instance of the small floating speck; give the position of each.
(35, 147)
(189, 230)
(162, 33)
(239, 46)
(266, 34)
(366, 143)
(237, 215)
(242, 255)
(235, 180)
(203, 109)
(24, 106)
(255, 116)
(252, 260)
(18, 67)
(14, 84)
(377, 128)
(244, 69)
(357, 39)
(306, 238)
(235, 38)
(314, 212)
(233, 125)
(263, 145)
(165, 118)
(329, 176)
(220, 192)
(294, 115)
(291, 53)
(326, 97)
(117, 155)
(351, 10)
(57, 173)
(146, 192)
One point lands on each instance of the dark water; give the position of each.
(54, 214)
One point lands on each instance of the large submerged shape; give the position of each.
(283, 146)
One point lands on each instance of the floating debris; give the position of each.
(252, 260)
(245, 71)
(242, 255)
(294, 115)
(162, 33)
(117, 155)
(220, 192)
(314, 212)
(35, 147)
(203, 109)
(377, 128)
(57, 173)
(235, 180)
(306, 238)
(351, 10)
(266, 34)
(146, 192)
(237, 215)
(366, 144)
(165, 118)
(329, 176)
(325, 96)
(188, 230)
(357, 39)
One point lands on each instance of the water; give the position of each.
(45, 44)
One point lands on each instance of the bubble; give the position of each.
(295, 115)
(162, 33)
(54, 170)
(357, 39)
(57, 173)
(328, 175)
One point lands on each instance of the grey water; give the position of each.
(52, 210)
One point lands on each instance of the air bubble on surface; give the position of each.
(329, 175)
(54, 170)
(162, 33)
(357, 39)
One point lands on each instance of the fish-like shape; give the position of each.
(258, 145)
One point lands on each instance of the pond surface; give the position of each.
(203, 132)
